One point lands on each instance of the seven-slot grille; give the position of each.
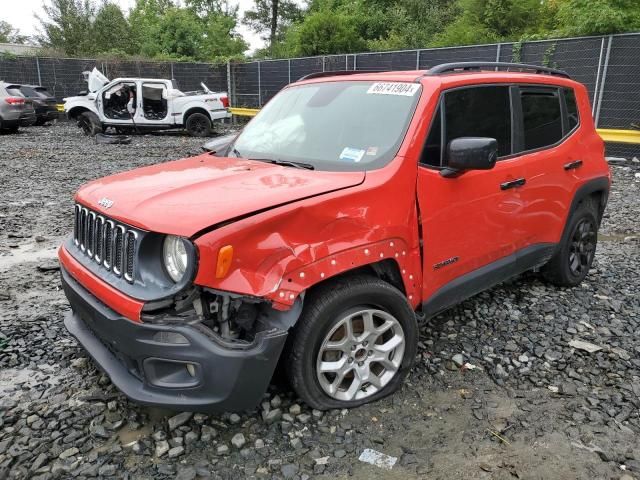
(110, 244)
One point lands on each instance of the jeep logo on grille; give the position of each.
(105, 202)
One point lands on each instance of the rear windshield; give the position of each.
(334, 126)
(14, 90)
(43, 92)
(29, 92)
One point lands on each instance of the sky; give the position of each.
(21, 16)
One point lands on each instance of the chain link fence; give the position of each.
(63, 76)
(608, 65)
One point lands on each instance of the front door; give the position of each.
(469, 223)
(118, 103)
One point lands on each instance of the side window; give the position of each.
(573, 116)
(479, 112)
(431, 155)
(541, 117)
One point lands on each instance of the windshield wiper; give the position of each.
(286, 163)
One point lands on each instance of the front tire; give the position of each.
(89, 123)
(354, 343)
(198, 125)
(571, 263)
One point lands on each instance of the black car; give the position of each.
(44, 103)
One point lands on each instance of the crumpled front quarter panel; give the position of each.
(281, 252)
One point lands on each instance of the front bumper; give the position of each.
(147, 368)
(220, 114)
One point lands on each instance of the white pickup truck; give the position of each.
(144, 104)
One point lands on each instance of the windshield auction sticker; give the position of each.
(352, 154)
(394, 88)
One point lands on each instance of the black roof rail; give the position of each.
(336, 72)
(468, 66)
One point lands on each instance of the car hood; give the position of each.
(186, 196)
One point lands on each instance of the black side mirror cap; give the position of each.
(219, 145)
(470, 153)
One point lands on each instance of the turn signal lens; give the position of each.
(225, 255)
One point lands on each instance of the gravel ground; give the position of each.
(500, 390)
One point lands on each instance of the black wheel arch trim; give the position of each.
(595, 185)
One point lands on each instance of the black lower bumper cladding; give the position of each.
(180, 367)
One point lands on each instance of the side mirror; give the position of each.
(470, 153)
(218, 145)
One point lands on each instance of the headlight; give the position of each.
(175, 257)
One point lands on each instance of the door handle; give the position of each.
(518, 182)
(573, 165)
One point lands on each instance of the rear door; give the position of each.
(155, 108)
(470, 225)
(552, 157)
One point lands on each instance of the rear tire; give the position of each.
(574, 257)
(89, 123)
(198, 125)
(361, 323)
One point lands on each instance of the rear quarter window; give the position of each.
(541, 117)
(573, 116)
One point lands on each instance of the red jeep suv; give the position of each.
(350, 205)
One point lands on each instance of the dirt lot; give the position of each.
(534, 407)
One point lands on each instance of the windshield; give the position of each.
(336, 126)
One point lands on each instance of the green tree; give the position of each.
(8, 34)
(66, 26)
(201, 30)
(596, 17)
(219, 19)
(325, 32)
(377, 24)
(220, 39)
(180, 34)
(111, 30)
(145, 18)
(482, 21)
(409, 23)
(272, 18)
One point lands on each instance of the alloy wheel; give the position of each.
(198, 126)
(582, 247)
(360, 355)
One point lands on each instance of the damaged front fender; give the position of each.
(282, 252)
